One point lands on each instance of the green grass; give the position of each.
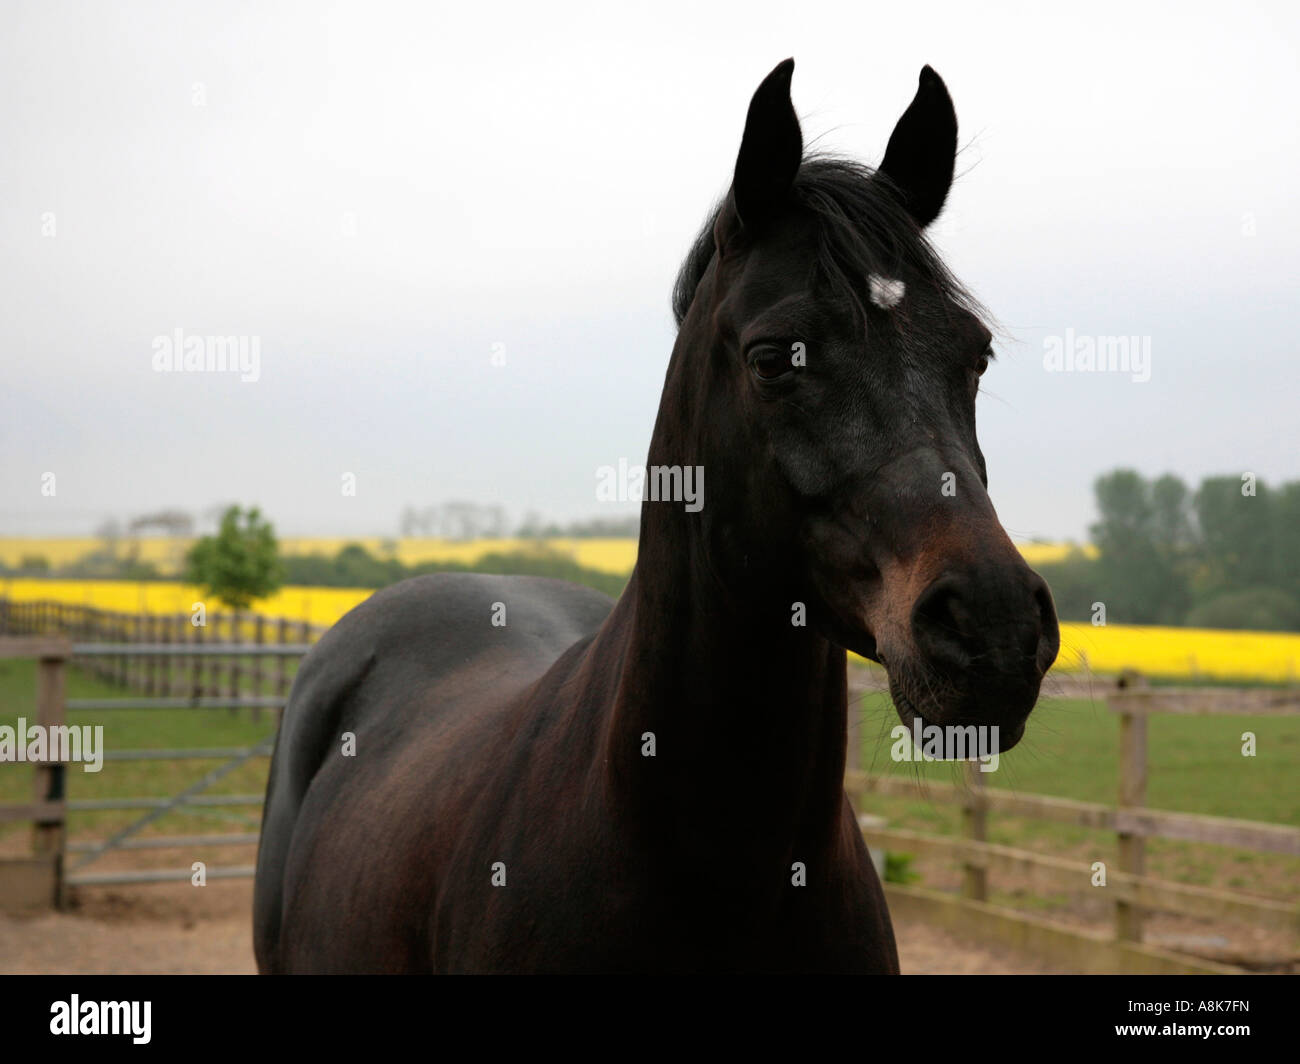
(1071, 746)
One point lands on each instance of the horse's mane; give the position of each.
(863, 229)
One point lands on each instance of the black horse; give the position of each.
(657, 784)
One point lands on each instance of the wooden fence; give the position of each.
(1131, 891)
(170, 673)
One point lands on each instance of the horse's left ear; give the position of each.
(770, 151)
(923, 149)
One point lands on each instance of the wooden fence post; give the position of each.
(214, 662)
(974, 826)
(48, 829)
(105, 633)
(94, 666)
(236, 662)
(152, 674)
(158, 633)
(1132, 797)
(131, 625)
(196, 660)
(212, 666)
(281, 662)
(165, 666)
(180, 668)
(140, 634)
(123, 663)
(258, 666)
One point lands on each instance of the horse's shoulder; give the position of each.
(411, 635)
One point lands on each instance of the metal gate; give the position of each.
(73, 860)
(192, 798)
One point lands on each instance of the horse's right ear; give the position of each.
(922, 150)
(770, 151)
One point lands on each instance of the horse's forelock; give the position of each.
(863, 230)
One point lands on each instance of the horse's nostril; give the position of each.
(1049, 632)
(942, 623)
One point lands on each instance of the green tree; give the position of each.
(1171, 518)
(1075, 584)
(1143, 544)
(1286, 536)
(240, 563)
(1238, 535)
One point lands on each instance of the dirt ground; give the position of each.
(170, 929)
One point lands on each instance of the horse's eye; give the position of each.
(983, 363)
(769, 363)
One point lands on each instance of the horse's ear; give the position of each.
(770, 151)
(923, 149)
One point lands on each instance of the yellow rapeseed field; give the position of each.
(1174, 653)
(316, 605)
(604, 555)
(1180, 653)
(1045, 553)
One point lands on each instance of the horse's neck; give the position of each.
(747, 711)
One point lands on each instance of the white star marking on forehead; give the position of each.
(885, 293)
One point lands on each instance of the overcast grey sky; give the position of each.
(383, 192)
